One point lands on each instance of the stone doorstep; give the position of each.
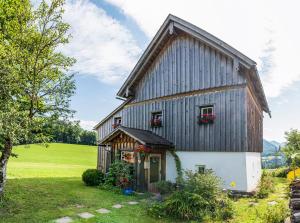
(86, 215)
(103, 211)
(117, 206)
(63, 220)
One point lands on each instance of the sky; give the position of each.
(109, 36)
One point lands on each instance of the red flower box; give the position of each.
(115, 125)
(207, 118)
(142, 149)
(156, 122)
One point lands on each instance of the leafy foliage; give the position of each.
(280, 172)
(35, 82)
(186, 205)
(68, 132)
(266, 186)
(165, 187)
(292, 147)
(276, 213)
(119, 174)
(199, 196)
(93, 177)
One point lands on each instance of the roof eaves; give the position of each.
(112, 113)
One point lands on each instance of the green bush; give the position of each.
(276, 214)
(156, 210)
(280, 172)
(120, 174)
(186, 205)
(266, 186)
(224, 209)
(92, 177)
(200, 196)
(165, 187)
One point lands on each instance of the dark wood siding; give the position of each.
(180, 126)
(185, 64)
(254, 124)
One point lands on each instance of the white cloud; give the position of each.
(87, 124)
(247, 26)
(102, 46)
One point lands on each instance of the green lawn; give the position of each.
(45, 184)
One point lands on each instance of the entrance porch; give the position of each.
(143, 149)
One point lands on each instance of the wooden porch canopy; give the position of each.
(144, 137)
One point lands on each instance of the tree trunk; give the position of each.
(3, 164)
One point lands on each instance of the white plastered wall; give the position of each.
(242, 168)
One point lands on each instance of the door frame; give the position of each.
(149, 169)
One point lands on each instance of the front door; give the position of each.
(154, 174)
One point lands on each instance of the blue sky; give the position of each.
(109, 37)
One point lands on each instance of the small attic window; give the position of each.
(117, 122)
(156, 119)
(207, 114)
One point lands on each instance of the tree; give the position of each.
(292, 147)
(35, 83)
(88, 138)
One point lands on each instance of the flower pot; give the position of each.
(128, 191)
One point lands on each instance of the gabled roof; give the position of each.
(174, 24)
(144, 137)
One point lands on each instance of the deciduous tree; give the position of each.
(35, 81)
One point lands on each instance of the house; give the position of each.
(191, 93)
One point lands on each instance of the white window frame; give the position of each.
(206, 108)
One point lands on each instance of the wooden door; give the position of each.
(154, 174)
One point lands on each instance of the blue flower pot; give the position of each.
(128, 191)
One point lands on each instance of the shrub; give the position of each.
(281, 172)
(119, 174)
(266, 186)
(276, 214)
(92, 177)
(157, 210)
(200, 196)
(224, 209)
(186, 205)
(165, 187)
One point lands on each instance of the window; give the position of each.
(207, 114)
(156, 119)
(117, 122)
(200, 168)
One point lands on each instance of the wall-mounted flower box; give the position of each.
(206, 119)
(116, 125)
(156, 122)
(142, 150)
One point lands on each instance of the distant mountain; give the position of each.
(270, 147)
(276, 143)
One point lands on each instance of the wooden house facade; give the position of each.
(196, 95)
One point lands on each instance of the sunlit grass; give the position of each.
(45, 184)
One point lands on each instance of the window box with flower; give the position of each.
(207, 115)
(156, 119)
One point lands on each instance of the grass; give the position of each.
(246, 212)
(45, 184)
